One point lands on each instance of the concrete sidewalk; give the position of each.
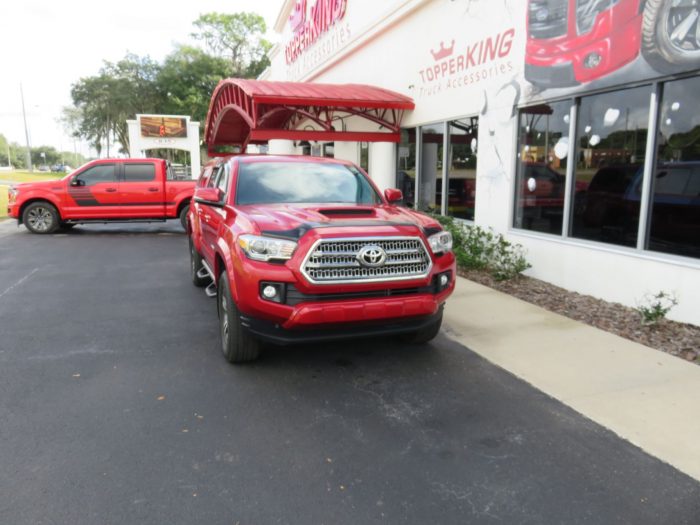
(648, 397)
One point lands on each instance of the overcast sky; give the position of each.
(47, 45)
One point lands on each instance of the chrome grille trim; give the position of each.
(334, 260)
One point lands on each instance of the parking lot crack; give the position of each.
(19, 282)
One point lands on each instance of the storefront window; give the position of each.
(675, 206)
(461, 168)
(543, 154)
(612, 133)
(431, 167)
(406, 166)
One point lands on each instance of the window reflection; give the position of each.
(543, 153)
(675, 208)
(431, 167)
(612, 132)
(406, 166)
(461, 168)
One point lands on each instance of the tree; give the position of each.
(104, 102)
(4, 145)
(239, 38)
(187, 79)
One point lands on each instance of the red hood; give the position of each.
(38, 185)
(285, 217)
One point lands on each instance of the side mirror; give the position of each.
(393, 195)
(210, 196)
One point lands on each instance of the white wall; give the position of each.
(382, 164)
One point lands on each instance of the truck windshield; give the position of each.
(302, 182)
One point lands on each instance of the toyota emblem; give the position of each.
(372, 256)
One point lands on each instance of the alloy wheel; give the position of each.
(40, 219)
(683, 26)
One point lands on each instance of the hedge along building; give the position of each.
(535, 117)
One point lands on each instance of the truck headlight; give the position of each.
(12, 193)
(261, 248)
(440, 242)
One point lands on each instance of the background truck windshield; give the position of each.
(302, 182)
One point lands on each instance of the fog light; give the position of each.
(269, 292)
(592, 60)
(444, 279)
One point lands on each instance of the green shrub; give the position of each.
(477, 248)
(654, 307)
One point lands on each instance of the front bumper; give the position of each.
(555, 76)
(276, 334)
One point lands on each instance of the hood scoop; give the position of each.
(347, 211)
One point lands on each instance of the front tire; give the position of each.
(41, 217)
(670, 41)
(425, 334)
(237, 345)
(183, 216)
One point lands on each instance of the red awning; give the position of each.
(245, 112)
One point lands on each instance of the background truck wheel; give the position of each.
(237, 344)
(41, 217)
(424, 334)
(670, 40)
(195, 266)
(183, 216)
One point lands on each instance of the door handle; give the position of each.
(111, 190)
(152, 189)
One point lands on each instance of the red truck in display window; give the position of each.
(575, 41)
(302, 249)
(105, 190)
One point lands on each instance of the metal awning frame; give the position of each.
(264, 117)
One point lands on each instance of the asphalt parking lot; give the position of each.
(116, 407)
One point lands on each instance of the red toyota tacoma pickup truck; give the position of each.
(105, 190)
(301, 249)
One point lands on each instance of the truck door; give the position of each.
(211, 217)
(141, 190)
(93, 193)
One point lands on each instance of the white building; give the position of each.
(534, 115)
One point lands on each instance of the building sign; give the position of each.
(156, 126)
(309, 25)
(455, 66)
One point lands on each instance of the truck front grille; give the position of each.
(548, 18)
(337, 261)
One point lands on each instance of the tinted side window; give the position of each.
(214, 179)
(222, 182)
(139, 172)
(97, 174)
(204, 177)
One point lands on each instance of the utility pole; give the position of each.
(26, 131)
(9, 160)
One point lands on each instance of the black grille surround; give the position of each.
(335, 260)
(548, 18)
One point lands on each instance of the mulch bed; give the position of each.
(679, 339)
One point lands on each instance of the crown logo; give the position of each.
(298, 16)
(443, 52)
